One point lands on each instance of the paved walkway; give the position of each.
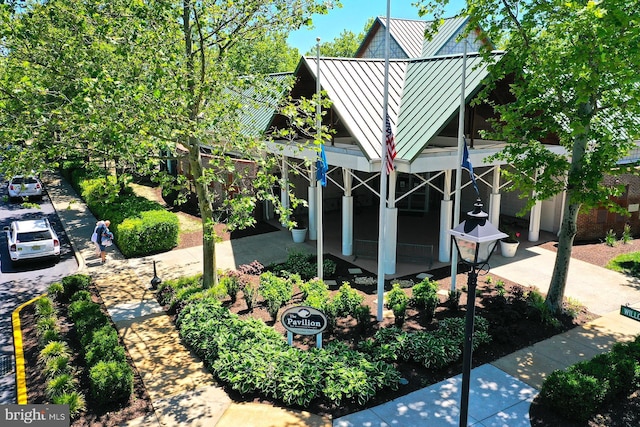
(183, 393)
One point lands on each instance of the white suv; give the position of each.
(24, 186)
(32, 239)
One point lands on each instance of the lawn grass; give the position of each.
(626, 263)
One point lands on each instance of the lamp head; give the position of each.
(476, 237)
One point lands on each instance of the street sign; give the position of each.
(629, 312)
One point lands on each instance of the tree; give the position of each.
(130, 80)
(343, 46)
(269, 53)
(574, 67)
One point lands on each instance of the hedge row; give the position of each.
(110, 376)
(579, 391)
(140, 226)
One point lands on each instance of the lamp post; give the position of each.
(475, 239)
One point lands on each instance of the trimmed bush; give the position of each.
(74, 283)
(140, 226)
(579, 391)
(104, 345)
(110, 382)
(150, 232)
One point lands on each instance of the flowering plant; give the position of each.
(512, 237)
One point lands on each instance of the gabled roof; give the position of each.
(409, 35)
(424, 95)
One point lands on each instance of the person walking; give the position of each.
(94, 236)
(104, 239)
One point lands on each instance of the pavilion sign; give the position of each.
(303, 320)
(629, 312)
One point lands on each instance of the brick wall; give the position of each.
(594, 225)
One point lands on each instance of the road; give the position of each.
(21, 283)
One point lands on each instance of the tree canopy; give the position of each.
(129, 81)
(574, 70)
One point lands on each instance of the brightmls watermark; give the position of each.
(34, 415)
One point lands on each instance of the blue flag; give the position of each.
(466, 164)
(322, 168)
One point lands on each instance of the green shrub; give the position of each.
(63, 383)
(572, 393)
(74, 399)
(453, 299)
(231, 283)
(397, 300)
(57, 366)
(301, 263)
(81, 295)
(48, 336)
(249, 292)
(251, 357)
(44, 307)
(317, 286)
(110, 382)
(328, 268)
(626, 234)
(346, 301)
(363, 315)
(610, 239)
(99, 191)
(52, 350)
(425, 297)
(276, 292)
(74, 283)
(104, 346)
(87, 316)
(149, 232)
(55, 290)
(45, 324)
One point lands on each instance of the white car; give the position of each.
(24, 186)
(32, 239)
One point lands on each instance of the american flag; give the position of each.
(391, 145)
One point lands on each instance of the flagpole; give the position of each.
(319, 213)
(383, 171)
(456, 201)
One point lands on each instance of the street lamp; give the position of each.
(475, 239)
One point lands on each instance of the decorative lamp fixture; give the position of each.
(475, 239)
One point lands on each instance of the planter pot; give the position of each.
(299, 235)
(508, 249)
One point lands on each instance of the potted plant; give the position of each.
(509, 245)
(299, 230)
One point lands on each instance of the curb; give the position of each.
(21, 379)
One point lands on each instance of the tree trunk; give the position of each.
(209, 277)
(569, 227)
(568, 231)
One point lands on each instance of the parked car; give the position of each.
(32, 239)
(24, 186)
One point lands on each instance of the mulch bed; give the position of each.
(513, 328)
(94, 416)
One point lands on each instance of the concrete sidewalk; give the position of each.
(183, 393)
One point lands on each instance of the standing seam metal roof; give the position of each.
(424, 94)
